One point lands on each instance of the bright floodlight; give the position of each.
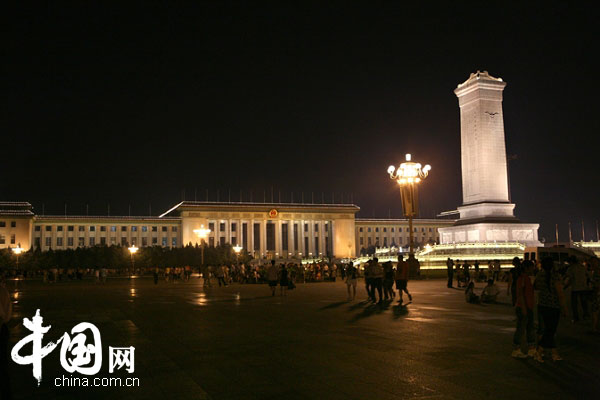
(17, 250)
(409, 172)
(202, 232)
(237, 249)
(132, 249)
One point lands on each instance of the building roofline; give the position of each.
(203, 204)
(104, 217)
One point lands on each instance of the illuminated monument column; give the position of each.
(486, 214)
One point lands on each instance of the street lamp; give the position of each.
(202, 233)
(408, 175)
(132, 251)
(17, 250)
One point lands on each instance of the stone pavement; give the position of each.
(239, 342)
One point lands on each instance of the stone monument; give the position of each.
(487, 215)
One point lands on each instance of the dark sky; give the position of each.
(134, 105)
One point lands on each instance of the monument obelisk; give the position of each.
(487, 215)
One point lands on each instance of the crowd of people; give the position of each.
(538, 292)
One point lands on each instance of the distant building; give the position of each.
(265, 230)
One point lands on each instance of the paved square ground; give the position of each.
(239, 342)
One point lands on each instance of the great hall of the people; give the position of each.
(265, 230)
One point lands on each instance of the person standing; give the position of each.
(388, 281)
(578, 280)
(476, 266)
(273, 277)
(524, 312)
(369, 279)
(497, 269)
(466, 272)
(449, 265)
(351, 273)
(402, 279)
(377, 273)
(5, 317)
(221, 275)
(513, 275)
(550, 303)
(155, 275)
(283, 280)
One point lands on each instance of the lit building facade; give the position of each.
(264, 230)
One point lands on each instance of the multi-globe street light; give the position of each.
(202, 234)
(132, 250)
(408, 175)
(17, 250)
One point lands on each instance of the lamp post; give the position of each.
(17, 250)
(132, 250)
(408, 175)
(202, 233)
(237, 250)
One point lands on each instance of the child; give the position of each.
(470, 295)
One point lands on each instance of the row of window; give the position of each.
(60, 242)
(113, 228)
(222, 226)
(13, 239)
(13, 224)
(399, 229)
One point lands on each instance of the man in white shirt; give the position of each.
(273, 277)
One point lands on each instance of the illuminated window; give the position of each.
(81, 242)
(92, 241)
(81, 228)
(134, 228)
(174, 242)
(59, 242)
(154, 241)
(144, 229)
(59, 228)
(70, 241)
(113, 228)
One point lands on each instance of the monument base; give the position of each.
(491, 232)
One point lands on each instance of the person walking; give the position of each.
(155, 275)
(283, 280)
(402, 279)
(513, 275)
(5, 317)
(449, 265)
(351, 274)
(550, 303)
(524, 312)
(273, 277)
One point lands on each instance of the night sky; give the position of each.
(135, 105)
